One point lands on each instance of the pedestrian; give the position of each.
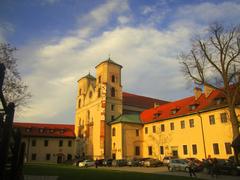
(215, 168)
(96, 163)
(192, 169)
(210, 165)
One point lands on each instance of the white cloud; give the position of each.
(148, 56)
(209, 12)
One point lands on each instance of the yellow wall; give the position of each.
(93, 132)
(53, 149)
(220, 133)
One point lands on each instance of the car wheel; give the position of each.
(187, 169)
(170, 168)
(86, 165)
(234, 172)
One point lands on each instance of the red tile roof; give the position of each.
(45, 130)
(140, 101)
(182, 107)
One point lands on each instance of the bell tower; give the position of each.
(109, 87)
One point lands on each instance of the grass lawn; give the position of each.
(68, 172)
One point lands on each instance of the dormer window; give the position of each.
(219, 100)
(193, 107)
(113, 78)
(51, 130)
(174, 111)
(28, 130)
(157, 115)
(62, 131)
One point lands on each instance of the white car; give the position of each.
(178, 165)
(86, 163)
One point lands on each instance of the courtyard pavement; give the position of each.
(164, 170)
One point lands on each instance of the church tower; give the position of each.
(108, 75)
(99, 101)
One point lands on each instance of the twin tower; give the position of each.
(99, 101)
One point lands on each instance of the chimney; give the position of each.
(207, 90)
(197, 92)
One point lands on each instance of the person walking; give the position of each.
(192, 169)
(96, 163)
(215, 168)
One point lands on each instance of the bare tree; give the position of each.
(214, 60)
(13, 88)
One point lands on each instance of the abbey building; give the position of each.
(110, 123)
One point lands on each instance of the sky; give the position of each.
(59, 41)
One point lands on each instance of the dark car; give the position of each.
(224, 166)
(133, 162)
(152, 163)
(119, 162)
(99, 162)
(107, 162)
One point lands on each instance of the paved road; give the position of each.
(164, 170)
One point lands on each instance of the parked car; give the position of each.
(86, 163)
(225, 166)
(198, 165)
(133, 162)
(152, 163)
(142, 160)
(100, 162)
(167, 159)
(178, 165)
(107, 162)
(119, 162)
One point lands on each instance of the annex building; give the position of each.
(110, 123)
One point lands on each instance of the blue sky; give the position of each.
(59, 41)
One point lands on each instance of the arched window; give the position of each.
(99, 79)
(114, 131)
(99, 92)
(113, 92)
(79, 103)
(90, 94)
(113, 78)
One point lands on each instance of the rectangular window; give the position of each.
(194, 149)
(162, 128)
(137, 151)
(223, 117)
(45, 143)
(137, 132)
(211, 119)
(172, 126)
(215, 148)
(112, 107)
(228, 148)
(69, 143)
(34, 143)
(185, 151)
(191, 123)
(154, 129)
(161, 150)
(150, 150)
(112, 118)
(34, 156)
(182, 124)
(48, 157)
(146, 130)
(60, 143)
